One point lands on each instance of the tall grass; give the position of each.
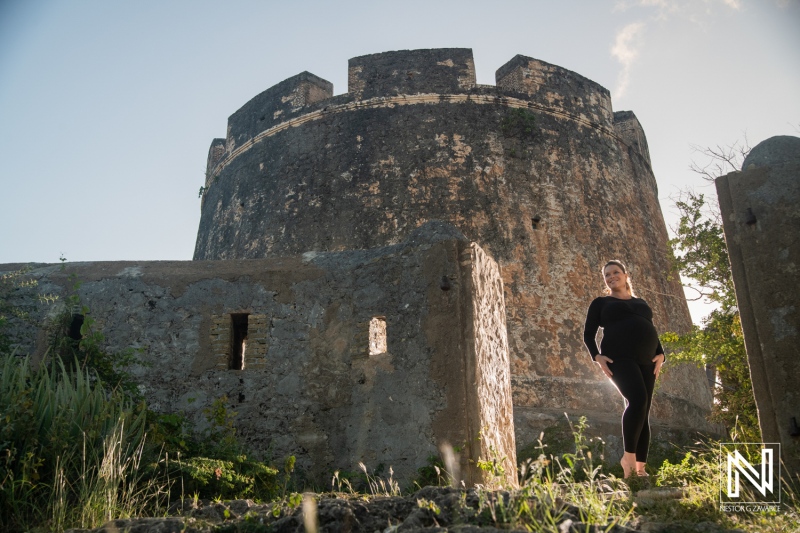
(71, 451)
(72, 454)
(698, 474)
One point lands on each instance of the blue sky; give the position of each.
(107, 109)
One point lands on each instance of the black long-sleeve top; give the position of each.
(628, 329)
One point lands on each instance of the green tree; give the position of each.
(701, 256)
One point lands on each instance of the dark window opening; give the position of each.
(238, 341)
(535, 221)
(74, 330)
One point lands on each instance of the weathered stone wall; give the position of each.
(560, 90)
(438, 71)
(491, 373)
(311, 385)
(761, 217)
(415, 139)
(275, 105)
(628, 127)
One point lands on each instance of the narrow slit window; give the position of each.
(75, 324)
(377, 335)
(238, 341)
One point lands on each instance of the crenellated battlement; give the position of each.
(426, 76)
(279, 103)
(439, 70)
(557, 88)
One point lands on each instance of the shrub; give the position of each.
(238, 478)
(60, 434)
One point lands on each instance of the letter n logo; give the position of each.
(762, 479)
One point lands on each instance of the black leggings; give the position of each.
(635, 382)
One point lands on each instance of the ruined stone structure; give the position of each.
(381, 272)
(378, 356)
(538, 169)
(760, 209)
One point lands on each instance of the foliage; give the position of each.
(698, 475)
(552, 483)
(687, 472)
(88, 352)
(493, 466)
(549, 488)
(700, 254)
(177, 435)
(378, 485)
(173, 433)
(519, 123)
(550, 498)
(219, 438)
(567, 444)
(211, 463)
(60, 434)
(72, 446)
(228, 479)
(432, 474)
(375, 483)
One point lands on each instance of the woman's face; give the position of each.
(615, 278)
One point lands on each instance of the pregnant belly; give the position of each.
(635, 337)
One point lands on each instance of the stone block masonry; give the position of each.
(220, 334)
(539, 170)
(223, 341)
(312, 381)
(437, 71)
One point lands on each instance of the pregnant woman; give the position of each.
(630, 354)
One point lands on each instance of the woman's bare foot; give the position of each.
(628, 463)
(640, 469)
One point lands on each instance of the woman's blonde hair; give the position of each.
(622, 266)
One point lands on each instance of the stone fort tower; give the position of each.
(538, 169)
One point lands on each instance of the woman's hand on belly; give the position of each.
(603, 361)
(658, 360)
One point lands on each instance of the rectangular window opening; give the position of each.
(75, 324)
(377, 335)
(238, 341)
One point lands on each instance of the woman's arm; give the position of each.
(591, 326)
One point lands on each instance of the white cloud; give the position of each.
(625, 50)
(628, 41)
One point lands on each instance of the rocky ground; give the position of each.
(431, 509)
